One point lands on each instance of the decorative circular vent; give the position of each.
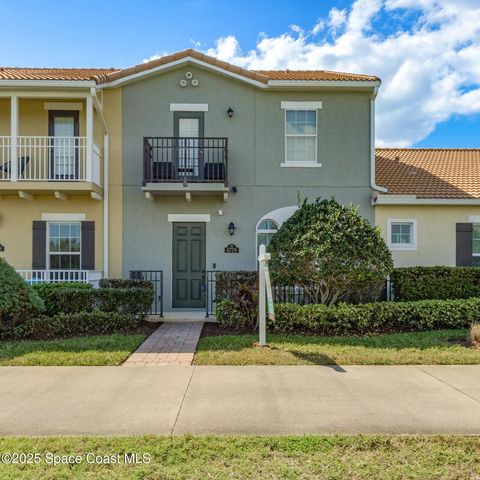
(183, 82)
(189, 75)
(194, 82)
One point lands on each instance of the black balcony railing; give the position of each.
(185, 159)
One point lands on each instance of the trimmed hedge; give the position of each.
(124, 283)
(83, 323)
(127, 301)
(442, 283)
(368, 318)
(18, 301)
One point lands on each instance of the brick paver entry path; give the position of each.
(173, 343)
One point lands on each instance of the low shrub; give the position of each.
(49, 293)
(368, 318)
(68, 300)
(18, 301)
(474, 335)
(83, 323)
(429, 283)
(124, 283)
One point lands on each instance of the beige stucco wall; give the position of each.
(436, 237)
(17, 215)
(112, 110)
(4, 116)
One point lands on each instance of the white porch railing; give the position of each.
(54, 276)
(50, 159)
(5, 151)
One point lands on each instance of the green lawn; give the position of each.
(247, 457)
(95, 350)
(427, 348)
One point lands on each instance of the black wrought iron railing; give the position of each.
(185, 159)
(281, 294)
(156, 277)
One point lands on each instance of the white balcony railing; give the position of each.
(54, 276)
(63, 159)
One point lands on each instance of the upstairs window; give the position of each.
(64, 245)
(301, 137)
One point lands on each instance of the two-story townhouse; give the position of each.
(183, 165)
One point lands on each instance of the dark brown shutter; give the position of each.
(88, 246)
(39, 245)
(464, 244)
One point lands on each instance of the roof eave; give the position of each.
(366, 84)
(48, 83)
(413, 200)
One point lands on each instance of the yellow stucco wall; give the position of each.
(17, 215)
(4, 116)
(112, 110)
(436, 237)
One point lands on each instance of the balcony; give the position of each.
(64, 165)
(185, 166)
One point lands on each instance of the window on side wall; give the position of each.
(64, 245)
(402, 234)
(476, 244)
(265, 231)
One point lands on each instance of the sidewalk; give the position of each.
(239, 400)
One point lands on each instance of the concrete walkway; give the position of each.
(173, 343)
(239, 400)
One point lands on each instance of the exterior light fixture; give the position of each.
(231, 228)
(230, 112)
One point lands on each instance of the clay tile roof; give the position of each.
(315, 75)
(102, 75)
(429, 173)
(14, 73)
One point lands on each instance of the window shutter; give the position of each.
(88, 246)
(39, 245)
(464, 244)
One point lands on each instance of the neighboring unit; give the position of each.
(430, 214)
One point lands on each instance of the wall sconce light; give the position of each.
(2, 248)
(231, 228)
(230, 112)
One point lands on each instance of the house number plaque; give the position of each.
(231, 248)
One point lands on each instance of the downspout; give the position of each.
(372, 143)
(98, 107)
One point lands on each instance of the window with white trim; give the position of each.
(265, 231)
(64, 245)
(301, 136)
(402, 234)
(476, 244)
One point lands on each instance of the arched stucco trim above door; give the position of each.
(279, 216)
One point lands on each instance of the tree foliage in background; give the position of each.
(331, 251)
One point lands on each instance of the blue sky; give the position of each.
(390, 38)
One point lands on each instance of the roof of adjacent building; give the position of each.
(106, 75)
(14, 73)
(432, 173)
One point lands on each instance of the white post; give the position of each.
(13, 138)
(105, 206)
(262, 334)
(89, 131)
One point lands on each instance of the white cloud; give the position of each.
(429, 72)
(336, 18)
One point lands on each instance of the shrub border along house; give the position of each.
(439, 282)
(65, 309)
(361, 319)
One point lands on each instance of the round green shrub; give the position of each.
(18, 301)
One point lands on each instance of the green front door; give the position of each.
(188, 265)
